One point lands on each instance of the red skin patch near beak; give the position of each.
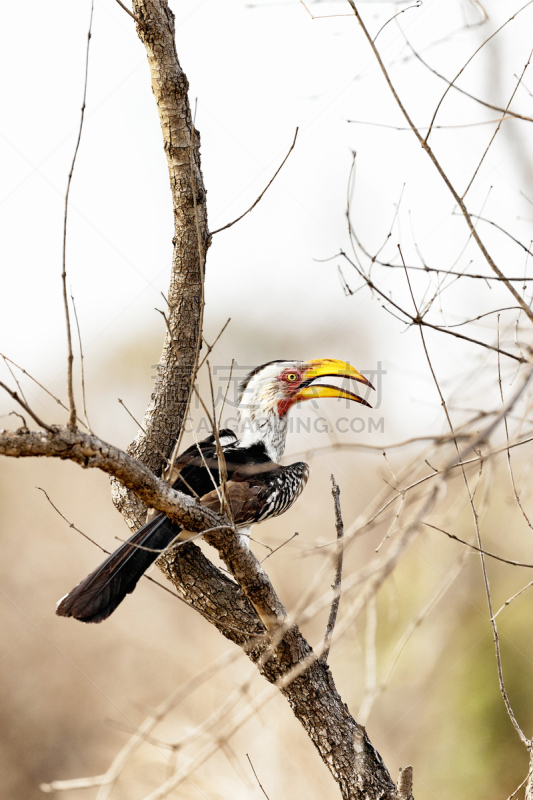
(283, 407)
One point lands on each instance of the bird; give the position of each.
(257, 487)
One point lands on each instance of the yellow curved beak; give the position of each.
(331, 368)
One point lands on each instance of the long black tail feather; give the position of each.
(97, 596)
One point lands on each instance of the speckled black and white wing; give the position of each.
(259, 491)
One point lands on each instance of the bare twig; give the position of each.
(255, 773)
(225, 506)
(212, 346)
(474, 54)
(337, 589)
(323, 16)
(475, 514)
(48, 392)
(20, 416)
(126, 409)
(70, 358)
(509, 462)
(422, 128)
(71, 524)
(529, 785)
(25, 406)
(510, 236)
(425, 145)
(126, 9)
(497, 127)
(73, 783)
(404, 790)
(263, 192)
(482, 316)
(402, 642)
(416, 5)
(82, 365)
(142, 734)
(275, 550)
(484, 103)
(226, 392)
(417, 320)
(513, 597)
(19, 387)
(478, 549)
(426, 268)
(159, 550)
(370, 661)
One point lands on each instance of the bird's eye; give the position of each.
(291, 376)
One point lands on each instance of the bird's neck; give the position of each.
(269, 429)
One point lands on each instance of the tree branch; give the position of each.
(70, 355)
(425, 145)
(339, 525)
(256, 201)
(164, 416)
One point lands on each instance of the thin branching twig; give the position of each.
(337, 586)
(70, 357)
(229, 225)
(257, 779)
(81, 364)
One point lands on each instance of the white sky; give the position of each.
(258, 72)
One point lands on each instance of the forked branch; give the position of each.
(427, 147)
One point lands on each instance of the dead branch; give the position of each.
(474, 54)
(335, 491)
(108, 780)
(404, 790)
(126, 9)
(257, 779)
(484, 103)
(478, 549)
(70, 357)
(471, 181)
(40, 385)
(81, 365)
(418, 320)
(271, 181)
(425, 145)
(164, 416)
(475, 515)
(25, 406)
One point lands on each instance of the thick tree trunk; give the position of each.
(165, 414)
(341, 742)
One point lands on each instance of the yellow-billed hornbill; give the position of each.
(257, 486)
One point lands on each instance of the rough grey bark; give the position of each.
(404, 790)
(164, 416)
(342, 743)
(529, 783)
